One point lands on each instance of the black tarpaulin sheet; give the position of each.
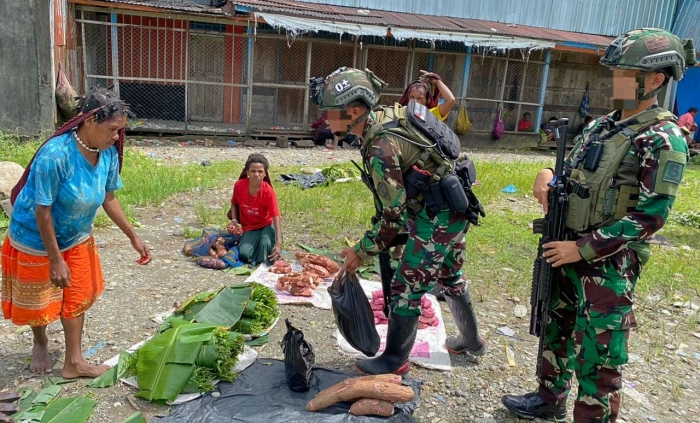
(260, 394)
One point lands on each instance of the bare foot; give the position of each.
(82, 369)
(41, 361)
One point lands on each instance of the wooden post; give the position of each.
(282, 142)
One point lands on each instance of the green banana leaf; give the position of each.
(164, 365)
(201, 297)
(46, 395)
(136, 418)
(33, 415)
(25, 401)
(239, 271)
(52, 380)
(69, 410)
(258, 341)
(167, 364)
(111, 376)
(226, 308)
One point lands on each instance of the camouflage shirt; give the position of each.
(656, 195)
(387, 157)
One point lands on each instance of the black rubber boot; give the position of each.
(531, 406)
(400, 337)
(468, 342)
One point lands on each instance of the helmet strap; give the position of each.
(350, 138)
(640, 91)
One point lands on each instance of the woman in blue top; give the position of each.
(50, 264)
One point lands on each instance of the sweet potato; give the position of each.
(320, 260)
(281, 263)
(389, 378)
(281, 285)
(282, 270)
(372, 407)
(299, 291)
(314, 268)
(359, 388)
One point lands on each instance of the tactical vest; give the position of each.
(397, 120)
(601, 197)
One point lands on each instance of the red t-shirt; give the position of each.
(254, 211)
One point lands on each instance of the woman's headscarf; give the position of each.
(98, 100)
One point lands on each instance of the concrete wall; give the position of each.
(27, 101)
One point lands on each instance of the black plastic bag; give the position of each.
(353, 314)
(299, 359)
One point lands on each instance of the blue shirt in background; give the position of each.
(61, 177)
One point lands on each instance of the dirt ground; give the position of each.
(661, 382)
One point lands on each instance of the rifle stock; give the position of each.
(552, 228)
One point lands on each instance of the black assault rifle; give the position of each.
(385, 270)
(552, 228)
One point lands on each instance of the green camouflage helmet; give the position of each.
(344, 86)
(651, 49)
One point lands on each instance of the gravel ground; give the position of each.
(660, 383)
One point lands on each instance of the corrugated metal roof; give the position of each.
(687, 23)
(414, 21)
(181, 6)
(605, 17)
(380, 17)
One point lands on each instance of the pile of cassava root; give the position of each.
(370, 395)
(304, 283)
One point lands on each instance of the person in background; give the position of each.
(588, 119)
(525, 123)
(687, 120)
(50, 262)
(322, 134)
(427, 91)
(546, 133)
(255, 214)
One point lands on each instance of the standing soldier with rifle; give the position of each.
(410, 164)
(621, 181)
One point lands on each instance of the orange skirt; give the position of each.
(30, 298)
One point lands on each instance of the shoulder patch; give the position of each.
(671, 170)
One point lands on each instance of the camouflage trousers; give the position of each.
(591, 320)
(434, 254)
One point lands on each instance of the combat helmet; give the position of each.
(345, 86)
(649, 50)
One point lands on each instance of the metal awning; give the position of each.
(296, 25)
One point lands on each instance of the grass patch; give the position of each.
(500, 253)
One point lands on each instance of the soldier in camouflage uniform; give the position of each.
(592, 307)
(434, 252)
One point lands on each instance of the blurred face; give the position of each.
(418, 95)
(625, 85)
(103, 135)
(338, 120)
(256, 172)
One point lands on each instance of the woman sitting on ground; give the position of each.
(255, 214)
(427, 91)
(50, 263)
